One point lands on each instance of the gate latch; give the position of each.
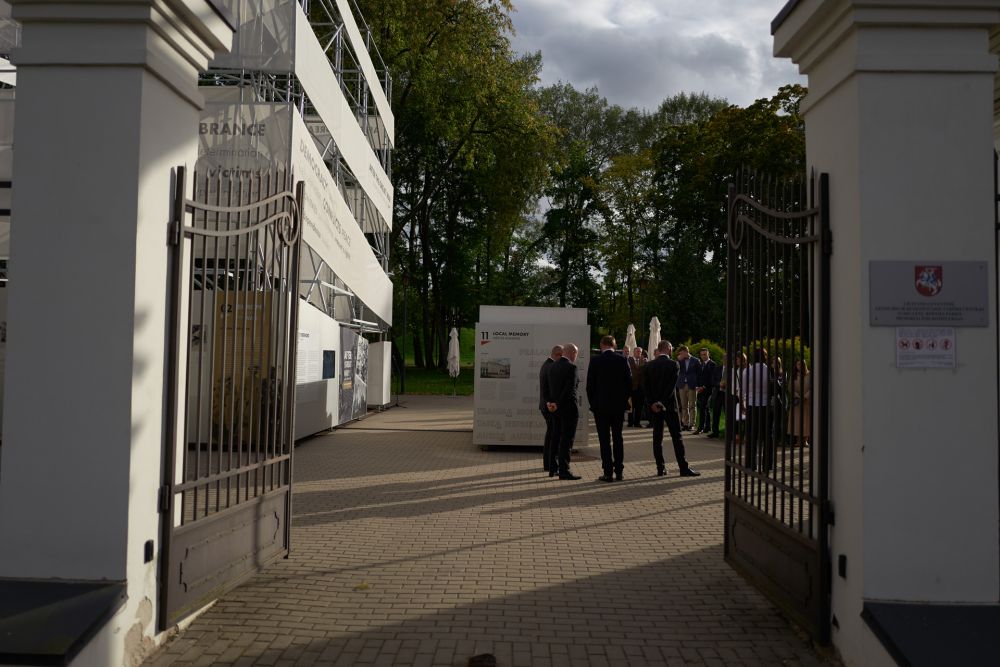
(164, 500)
(174, 233)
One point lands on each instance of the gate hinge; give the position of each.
(164, 499)
(174, 233)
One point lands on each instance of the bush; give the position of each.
(783, 347)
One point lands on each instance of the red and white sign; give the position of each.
(929, 279)
(925, 347)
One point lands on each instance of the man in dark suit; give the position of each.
(564, 403)
(636, 364)
(661, 387)
(609, 383)
(551, 441)
(707, 385)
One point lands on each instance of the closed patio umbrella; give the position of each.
(630, 343)
(654, 335)
(453, 355)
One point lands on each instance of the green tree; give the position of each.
(469, 158)
(694, 163)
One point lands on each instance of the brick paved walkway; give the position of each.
(412, 547)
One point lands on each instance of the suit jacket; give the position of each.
(637, 366)
(609, 383)
(563, 379)
(688, 374)
(543, 384)
(706, 376)
(661, 381)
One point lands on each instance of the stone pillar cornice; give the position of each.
(173, 39)
(830, 39)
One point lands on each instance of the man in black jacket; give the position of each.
(551, 441)
(707, 385)
(564, 403)
(661, 387)
(609, 383)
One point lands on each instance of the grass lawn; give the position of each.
(435, 381)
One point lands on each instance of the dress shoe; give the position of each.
(660, 472)
(552, 473)
(713, 434)
(690, 472)
(568, 475)
(605, 478)
(618, 477)
(646, 426)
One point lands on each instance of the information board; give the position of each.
(508, 358)
(936, 293)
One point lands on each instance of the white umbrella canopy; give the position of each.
(453, 356)
(654, 335)
(630, 343)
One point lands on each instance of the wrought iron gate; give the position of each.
(226, 499)
(776, 509)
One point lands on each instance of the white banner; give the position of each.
(314, 72)
(332, 231)
(264, 39)
(246, 137)
(242, 138)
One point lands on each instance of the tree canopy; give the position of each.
(510, 193)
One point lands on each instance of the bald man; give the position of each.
(564, 403)
(551, 443)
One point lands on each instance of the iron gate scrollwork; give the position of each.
(226, 499)
(777, 512)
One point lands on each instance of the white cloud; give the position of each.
(638, 52)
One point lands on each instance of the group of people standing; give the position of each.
(774, 406)
(611, 385)
(698, 398)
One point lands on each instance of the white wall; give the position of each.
(87, 315)
(317, 401)
(900, 114)
(379, 374)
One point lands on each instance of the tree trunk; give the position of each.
(418, 353)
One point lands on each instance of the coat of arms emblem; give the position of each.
(929, 279)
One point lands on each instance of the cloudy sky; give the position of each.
(638, 52)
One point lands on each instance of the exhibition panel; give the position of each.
(511, 345)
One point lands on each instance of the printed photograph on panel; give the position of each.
(495, 369)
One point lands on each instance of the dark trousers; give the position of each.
(718, 405)
(673, 423)
(704, 400)
(609, 434)
(638, 403)
(567, 432)
(551, 441)
(759, 447)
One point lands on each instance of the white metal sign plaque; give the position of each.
(936, 293)
(925, 347)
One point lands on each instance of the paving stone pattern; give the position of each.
(412, 547)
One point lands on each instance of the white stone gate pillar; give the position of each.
(107, 105)
(900, 113)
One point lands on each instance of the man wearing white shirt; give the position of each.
(755, 400)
